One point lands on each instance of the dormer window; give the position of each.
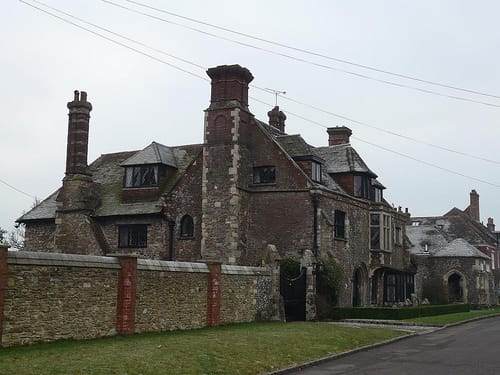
(316, 171)
(141, 176)
(377, 195)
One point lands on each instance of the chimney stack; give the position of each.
(78, 134)
(229, 83)
(277, 119)
(338, 135)
(491, 224)
(473, 209)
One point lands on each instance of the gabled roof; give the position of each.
(155, 153)
(343, 159)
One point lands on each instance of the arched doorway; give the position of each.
(359, 281)
(455, 288)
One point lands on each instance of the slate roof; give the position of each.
(107, 173)
(437, 243)
(460, 248)
(155, 153)
(422, 235)
(44, 210)
(295, 145)
(343, 159)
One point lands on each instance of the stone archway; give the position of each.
(359, 285)
(455, 286)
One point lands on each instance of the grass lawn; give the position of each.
(234, 349)
(453, 318)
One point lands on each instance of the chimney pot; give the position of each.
(339, 135)
(277, 119)
(83, 96)
(77, 96)
(229, 82)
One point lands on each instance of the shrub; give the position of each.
(396, 313)
(328, 286)
(289, 268)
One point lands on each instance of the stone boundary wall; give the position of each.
(52, 296)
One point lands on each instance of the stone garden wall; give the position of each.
(52, 296)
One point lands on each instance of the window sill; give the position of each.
(342, 239)
(382, 250)
(186, 238)
(263, 184)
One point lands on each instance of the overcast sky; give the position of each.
(138, 99)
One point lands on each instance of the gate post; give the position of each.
(308, 263)
(213, 294)
(127, 286)
(3, 284)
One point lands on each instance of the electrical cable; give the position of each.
(268, 91)
(309, 52)
(16, 189)
(270, 105)
(116, 42)
(359, 75)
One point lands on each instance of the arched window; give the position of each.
(187, 226)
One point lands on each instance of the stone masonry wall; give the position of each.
(52, 296)
(239, 295)
(170, 296)
(58, 296)
(39, 235)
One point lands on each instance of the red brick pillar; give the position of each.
(213, 294)
(3, 284)
(127, 286)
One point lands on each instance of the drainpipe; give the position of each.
(171, 225)
(315, 201)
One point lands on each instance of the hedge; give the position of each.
(396, 313)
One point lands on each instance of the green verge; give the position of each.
(234, 349)
(453, 318)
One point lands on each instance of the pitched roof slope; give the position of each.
(343, 159)
(460, 248)
(155, 153)
(107, 173)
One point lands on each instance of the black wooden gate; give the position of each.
(294, 296)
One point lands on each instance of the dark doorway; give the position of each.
(455, 291)
(356, 289)
(294, 296)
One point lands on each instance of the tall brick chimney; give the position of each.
(229, 83)
(473, 209)
(77, 199)
(338, 135)
(78, 134)
(277, 119)
(228, 125)
(490, 225)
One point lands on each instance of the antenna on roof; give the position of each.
(276, 93)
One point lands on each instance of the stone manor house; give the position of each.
(248, 186)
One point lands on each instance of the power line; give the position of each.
(386, 131)
(115, 41)
(302, 117)
(119, 35)
(16, 189)
(427, 163)
(257, 87)
(308, 52)
(394, 152)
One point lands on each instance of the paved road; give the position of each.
(469, 349)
